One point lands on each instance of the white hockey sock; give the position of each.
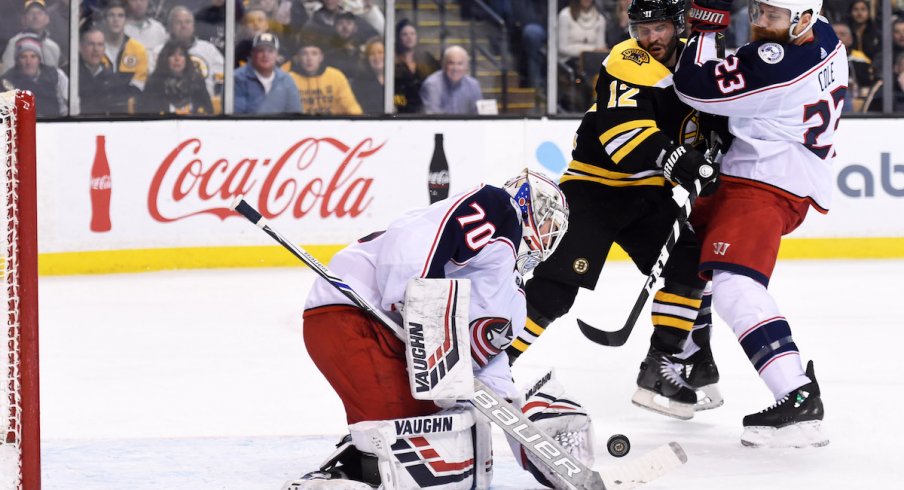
(763, 332)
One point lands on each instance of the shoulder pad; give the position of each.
(630, 63)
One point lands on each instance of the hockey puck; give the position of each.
(618, 445)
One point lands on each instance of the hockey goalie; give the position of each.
(451, 275)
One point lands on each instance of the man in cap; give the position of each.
(50, 85)
(35, 21)
(260, 86)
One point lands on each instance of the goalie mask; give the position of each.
(544, 216)
(795, 9)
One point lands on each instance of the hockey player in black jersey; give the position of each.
(632, 146)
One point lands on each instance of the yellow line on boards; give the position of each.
(145, 260)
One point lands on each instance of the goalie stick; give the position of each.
(685, 200)
(510, 419)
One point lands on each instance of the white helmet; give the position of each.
(544, 215)
(797, 8)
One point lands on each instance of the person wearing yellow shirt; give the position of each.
(324, 90)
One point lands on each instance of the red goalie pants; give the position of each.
(364, 362)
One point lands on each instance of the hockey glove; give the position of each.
(710, 15)
(683, 165)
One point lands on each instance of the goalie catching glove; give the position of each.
(683, 165)
(555, 412)
(710, 15)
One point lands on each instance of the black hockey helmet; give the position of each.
(641, 11)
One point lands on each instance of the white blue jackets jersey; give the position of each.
(474, 235)
(783, 102)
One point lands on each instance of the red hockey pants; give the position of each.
(364, 362)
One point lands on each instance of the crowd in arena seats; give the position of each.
(153, 56)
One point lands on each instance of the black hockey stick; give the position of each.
(685, 200)
(510, 419)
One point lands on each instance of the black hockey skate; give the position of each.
(700, 373)
(661, 388)
(793, 421)
(344, 469)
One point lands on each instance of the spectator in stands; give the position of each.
(451, 90)
(866, 33)
(861, 75)
(35, 21)
(897, 91)
(100, 90)
(210, 22)
(581, 28)
(325, 16)
(49, 84)
(260, 86)
(254, 22)
(143, 28)
(324, 90)
(617, 25)
(344, 52)
(207, 58)
(530, 20)
(123, 55)
(367, 11)
(412, 66)
(369, 82)
(175, 87)
(897, 37)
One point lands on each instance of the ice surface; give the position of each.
(199, 379)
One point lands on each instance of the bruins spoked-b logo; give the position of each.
(636, 55)
(581, 265)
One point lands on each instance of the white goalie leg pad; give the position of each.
(437, 342)
(546, 403)
(449, 450)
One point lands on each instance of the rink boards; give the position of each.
(324, 183)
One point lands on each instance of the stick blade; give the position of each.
(602, 337)
(642, 470)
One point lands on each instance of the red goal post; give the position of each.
(20, 435)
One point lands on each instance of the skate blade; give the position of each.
(336, 484)
(800, 435)
(657, 403)
(708, 398)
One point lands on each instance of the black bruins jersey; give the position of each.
(636, 117)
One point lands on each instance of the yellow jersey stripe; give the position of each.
(631, 145)
(627, 126)
(669, 321)
(675, 299)
(533, 328)
(519, 345)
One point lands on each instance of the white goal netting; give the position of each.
(10, 360)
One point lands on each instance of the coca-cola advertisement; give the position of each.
(168, 185)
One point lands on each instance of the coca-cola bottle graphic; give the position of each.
(438, 176)
(100, 188)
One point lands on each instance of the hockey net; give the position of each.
(19, 413)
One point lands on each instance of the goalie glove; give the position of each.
(683, 165)
(710, 15)
(556, 413)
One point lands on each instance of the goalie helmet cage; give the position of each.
(19, 406)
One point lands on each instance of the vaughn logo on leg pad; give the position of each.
(437, 344)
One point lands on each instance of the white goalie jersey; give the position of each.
(474, 236)
(783, 102)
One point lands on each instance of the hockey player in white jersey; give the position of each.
(488, 236)
(783, 94)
